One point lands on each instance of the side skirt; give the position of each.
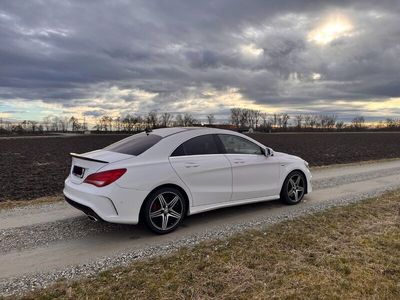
(203, 208)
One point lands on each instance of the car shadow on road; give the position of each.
(192, 224)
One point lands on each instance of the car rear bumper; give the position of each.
(112, 203)
(85, 209)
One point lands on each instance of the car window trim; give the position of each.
(195, 155)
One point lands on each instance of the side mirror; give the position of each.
(268, 152)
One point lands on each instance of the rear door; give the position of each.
(254, 174)
(204, 169)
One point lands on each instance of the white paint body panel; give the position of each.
(209, 181)
(209, 177)
(254, 176)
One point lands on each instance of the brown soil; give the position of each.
(36, 167)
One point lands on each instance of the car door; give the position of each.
(204, 169)
(254, 174)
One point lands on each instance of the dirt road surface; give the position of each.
(39, 243)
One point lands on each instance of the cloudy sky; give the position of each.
(88, 58)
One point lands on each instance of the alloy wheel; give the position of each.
(166, 210)
(296, 187)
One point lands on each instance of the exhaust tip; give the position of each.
(93, 218)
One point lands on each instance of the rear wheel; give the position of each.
(164, 210)
(294, 188)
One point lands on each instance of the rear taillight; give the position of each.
(104, 178)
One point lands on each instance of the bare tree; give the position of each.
(298, 120)
(284, 120)
(179, 120)
(257, 116)
(339, 125)
(188, 120)
(391, 123)
(152, 119)
(110, 122)
(165, 119)
(244, 118)
(33, 125)
(307, 121)
(47, 123)
(275, 120)
(84, 126)
(211, 119)
(128, 123)
(64, 121)
(74, 123)
(313, 121)
(235, 116)
(102, 124)
(358, 122)
(331, 121)
(117, 123)
(254, 117)
(264, 118)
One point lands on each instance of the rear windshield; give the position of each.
(135, 144)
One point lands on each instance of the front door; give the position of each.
(254, 174)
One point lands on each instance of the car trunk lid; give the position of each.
(88, 163)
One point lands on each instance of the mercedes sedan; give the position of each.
(161, 176)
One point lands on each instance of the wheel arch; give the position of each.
(166, 185)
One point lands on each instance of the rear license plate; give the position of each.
(78, 171)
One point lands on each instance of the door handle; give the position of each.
(238, 161)
(191, 165)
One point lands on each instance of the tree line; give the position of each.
(243, 118)
(134, 123)
(239, 119)
(128, 123)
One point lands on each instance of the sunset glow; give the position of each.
(334, 27)
(203, 59)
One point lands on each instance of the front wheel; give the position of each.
(293, 188)
(164, 210)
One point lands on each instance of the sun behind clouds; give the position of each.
(334, 26)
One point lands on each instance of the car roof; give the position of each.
(164, 132)
(172, 137)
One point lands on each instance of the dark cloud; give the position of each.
(94, 113)
(67, 51)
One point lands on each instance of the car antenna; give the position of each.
(148, 130)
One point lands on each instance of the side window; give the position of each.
(204, 144)
(237, 145)
(178, 151)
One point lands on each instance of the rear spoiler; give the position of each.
(87, 158)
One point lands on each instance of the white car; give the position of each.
(160, 177)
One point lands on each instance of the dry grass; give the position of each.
(343, 253)
(9, 204)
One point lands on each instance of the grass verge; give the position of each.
(343, 253)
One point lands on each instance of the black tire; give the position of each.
(163, 218)
(294, 188)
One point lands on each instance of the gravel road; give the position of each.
(40, 244)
